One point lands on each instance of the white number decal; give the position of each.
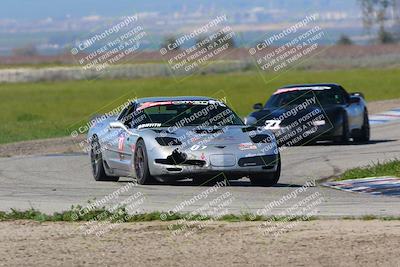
(272, 124)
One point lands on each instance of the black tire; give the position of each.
(141, 164)
(345, 137)
(163, 180)
(365, 133)
(96, 160)
(267, 179)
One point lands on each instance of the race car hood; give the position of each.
(225, 135)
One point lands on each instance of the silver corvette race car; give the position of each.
(171, 138)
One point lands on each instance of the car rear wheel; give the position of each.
(96, 160)
(365, 133)
(140, 164)
(267, 179)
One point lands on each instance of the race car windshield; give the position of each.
(186, 114)
(294, 98)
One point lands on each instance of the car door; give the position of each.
(119, 150)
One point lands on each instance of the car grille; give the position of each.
(223, 160)
(199, 163)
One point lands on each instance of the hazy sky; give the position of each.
(34, 9)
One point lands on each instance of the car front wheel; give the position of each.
(364, 135)
(141, 165)
(267, 179)
(345, 137)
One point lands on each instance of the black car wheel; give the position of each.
(141, 165)
(365, 133)
(267, 179)
(96, 160)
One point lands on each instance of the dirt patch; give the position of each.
(42, 147)
(71, 145)
(316, 243)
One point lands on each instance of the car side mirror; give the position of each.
(120, 125)
(258, 106)
(354, 100)
(117, 125)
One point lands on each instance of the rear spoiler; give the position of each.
(359, 94)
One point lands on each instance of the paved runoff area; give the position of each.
(56, 182)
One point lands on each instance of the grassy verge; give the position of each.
(121, 215)
(54, 109)
(389, 168)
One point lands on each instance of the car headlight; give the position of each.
(319, 123)
(168, 141)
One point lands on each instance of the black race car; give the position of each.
(300, 114)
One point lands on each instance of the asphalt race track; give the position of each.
(55, 182)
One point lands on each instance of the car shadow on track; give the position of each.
(248, 184)
(371, 142)
(230, 183)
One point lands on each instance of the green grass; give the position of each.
(372, 217)
(120, 214)
(53, 109)
(389, 168)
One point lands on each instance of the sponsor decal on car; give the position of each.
(313, 88)
(180, 102)
(247, 146)
(195, 139)
(153, 104)
(149, 125)
(193, 102)
(121, 140)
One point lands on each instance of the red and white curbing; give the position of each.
(385, 117)
(386, 186)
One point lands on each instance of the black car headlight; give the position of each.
(168, 141)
